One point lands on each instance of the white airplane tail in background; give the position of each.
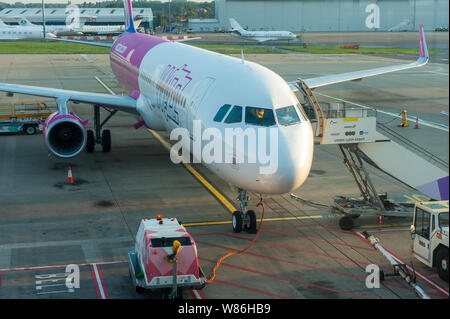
(235, 25)
(24, 22)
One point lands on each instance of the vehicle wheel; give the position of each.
(140, 290)
(237, 221)
(90, 141)
(346, 223)
(30, 130)
(251, 229)
(106, 141)
(442, 263)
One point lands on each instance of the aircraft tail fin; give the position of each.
(235, 25)
(128, 10)
(24, 22)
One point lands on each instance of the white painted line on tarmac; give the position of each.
(99, 282)
(438, 126)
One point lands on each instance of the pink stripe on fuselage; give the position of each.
(126, 57)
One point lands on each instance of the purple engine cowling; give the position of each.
(64, 134)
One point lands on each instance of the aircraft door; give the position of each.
(422, 224)
(198, 95)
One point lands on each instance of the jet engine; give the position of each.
(64, 134)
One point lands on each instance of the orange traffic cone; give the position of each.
(417, 122)
(69, 176)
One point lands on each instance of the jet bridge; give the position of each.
(358, 135)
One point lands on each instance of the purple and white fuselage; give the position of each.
(175, 84)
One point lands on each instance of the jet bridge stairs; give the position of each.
(362, 142)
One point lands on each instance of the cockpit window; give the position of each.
(303, 115)
(221, 113)
(259, 116)
(235, 115)
(287, 115)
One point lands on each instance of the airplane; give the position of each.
(260, 36)
(9, 32)
(82, 29)
(171, 84)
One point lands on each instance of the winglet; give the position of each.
(423, 46)
(128, 11)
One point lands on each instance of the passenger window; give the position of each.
(221, 113)
(259, 116)
(235, 115)
(287, 116)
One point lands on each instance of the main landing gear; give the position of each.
(98, 136)
(244, 219)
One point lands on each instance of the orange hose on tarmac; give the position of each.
(213, 273)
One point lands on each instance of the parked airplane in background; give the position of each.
(9, 32)
(170, 85)
(260, 36)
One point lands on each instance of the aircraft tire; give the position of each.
(237, 221)
(346, 223)
(106, 141)
(90, 141)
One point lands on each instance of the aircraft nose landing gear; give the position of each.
(244, 219)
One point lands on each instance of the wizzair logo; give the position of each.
(120, 48)
(176, 77)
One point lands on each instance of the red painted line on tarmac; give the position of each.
(323, 240)
(301, 250)
(429, 282)
(59, 266)
(99, 284)
(251, 289)
(443, 292)
(94, 277)
(100, 274)
(290, 280)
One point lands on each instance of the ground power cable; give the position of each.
(333, 245)
(212, 276)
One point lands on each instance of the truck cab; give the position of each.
(429, 233)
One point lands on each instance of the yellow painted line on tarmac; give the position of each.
(105, 86)
(265, 220)
(384, 226)
(199, 177)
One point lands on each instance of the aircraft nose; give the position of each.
(293, 160)
(295, 156)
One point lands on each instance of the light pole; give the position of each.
(170, 1)
(43, 18)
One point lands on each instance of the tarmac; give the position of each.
(47, 224)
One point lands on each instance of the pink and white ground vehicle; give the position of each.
(155, 257)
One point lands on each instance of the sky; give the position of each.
(76, 1)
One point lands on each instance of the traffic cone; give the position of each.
(69, 176)
(417, 122)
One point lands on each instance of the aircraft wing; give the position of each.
(263, 39)
(118, 102)
(358, 75)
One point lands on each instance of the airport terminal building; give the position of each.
(327, 15)
(96, 16)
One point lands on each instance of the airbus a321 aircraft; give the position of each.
(260, 36)
(171, 84)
